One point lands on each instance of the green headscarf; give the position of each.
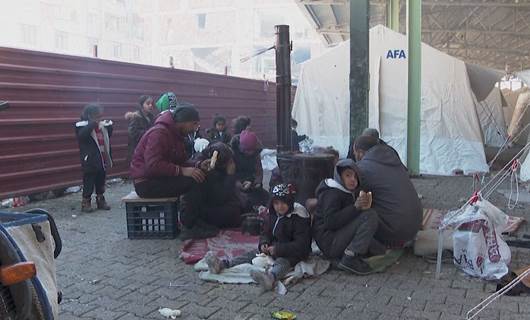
(166, 101)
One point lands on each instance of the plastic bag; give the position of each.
(478, 247)
(306, 145)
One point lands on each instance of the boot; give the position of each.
(101, 202)
(355, 265)
(86, 205)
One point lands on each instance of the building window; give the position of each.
(117, 49)
(201, 20)
(29, 34)
(137, 53)
(61, 40)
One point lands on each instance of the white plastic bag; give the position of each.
(478, 247)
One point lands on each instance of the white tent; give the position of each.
(451, 136)
(491, 116)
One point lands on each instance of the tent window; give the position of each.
(201, 20)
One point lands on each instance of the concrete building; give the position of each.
(202, 35)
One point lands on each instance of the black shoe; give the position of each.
(355, 264)
(198, 231)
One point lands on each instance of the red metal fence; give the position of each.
(38, 148)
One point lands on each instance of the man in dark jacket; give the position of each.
(394, 197)
(286, 237)
(344, 225)
(160, 167)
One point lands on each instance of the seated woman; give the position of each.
(344, 225)
(220, 203)
(249, 171)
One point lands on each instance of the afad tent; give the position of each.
(520, 121)
(451, 137)
(491, 116)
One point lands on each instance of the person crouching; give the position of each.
(286, 238)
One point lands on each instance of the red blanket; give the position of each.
(227, 244)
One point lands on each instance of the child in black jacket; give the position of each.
(344, 224)
(93, 136)
(219, 132)
(286, 237)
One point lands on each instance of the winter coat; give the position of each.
(394, 197)
(290, 234)
(218, 136)
(335, 208)
(139, 123)
(248, 167)
(161, 151)
(89, 152)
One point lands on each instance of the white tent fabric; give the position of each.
(524, 76)
(491, 116)
(451, 136)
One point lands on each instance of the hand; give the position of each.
(231, 167)
(205, 165)
(246, 185)
(194, 173)
(257, 185)
(271, 250)
(264, 248)
(363, 201)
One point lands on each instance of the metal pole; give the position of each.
(392, 14)
(414, 86)
(359, 72)
(283, 88)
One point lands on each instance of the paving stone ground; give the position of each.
(104, 275)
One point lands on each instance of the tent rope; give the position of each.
(489, 300)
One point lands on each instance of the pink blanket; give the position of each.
(227, 244)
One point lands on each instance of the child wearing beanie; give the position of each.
(286, 237)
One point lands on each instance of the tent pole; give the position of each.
(414, 85)
(392, 14)
(359, 80)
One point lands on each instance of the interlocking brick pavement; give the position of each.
(104, 275)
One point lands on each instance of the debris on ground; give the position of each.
(170, 313)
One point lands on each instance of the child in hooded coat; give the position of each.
(286, 237)
(344, 224)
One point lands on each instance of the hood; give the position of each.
(336, 182)
(166, 119)
(384, 155)
(299, 210)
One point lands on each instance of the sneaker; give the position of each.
(215, 265)
(264, 279)
(355, 265)
(198, 231)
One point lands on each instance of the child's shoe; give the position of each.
(215, 265)
(102, 203)
(86, 205)
(264, 279)
(355, 264)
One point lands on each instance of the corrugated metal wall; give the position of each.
(38, 148)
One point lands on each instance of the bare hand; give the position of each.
(205, 165)
(246, 185)
(231, 167)
(271, 250)
(195, 173)
(363, 201)
(264, 248)
(257, 185)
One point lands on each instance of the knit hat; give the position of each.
(166, 101)
(284, 192)
(248, 141)
(185, 112)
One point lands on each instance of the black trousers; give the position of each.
(186, 188)
(93, 180)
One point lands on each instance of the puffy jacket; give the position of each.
(290, 234)
(89, 152)
(139, 123)
(248, 167)
(161, 151)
